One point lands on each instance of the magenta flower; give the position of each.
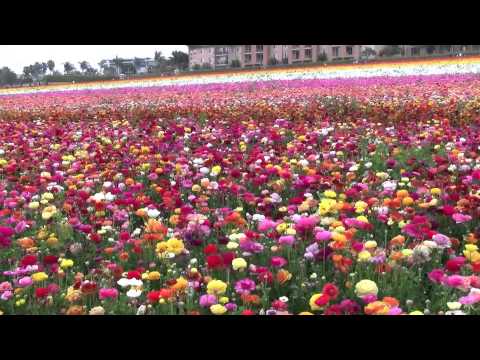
(461, 218)
(266, 225)
(245, 286)
(323, 235)
(207, 300)
(278, 261)
(108, 293)
(286, 240)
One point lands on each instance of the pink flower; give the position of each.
(25, 281)
(108, 293)
(207, 300)
(286, 240)
(323, 235)
(306, 223)
(278, 261)
(266, 225)
(461, 218)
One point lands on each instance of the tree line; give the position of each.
(46, 71)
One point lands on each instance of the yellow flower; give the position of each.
(218, 309)
(314, 298)
(39, 276)
(196, 188)
(366, 287)
(364, 256)
(416, 312)
(471, 247)
(290, 231)
(48, 212)
(47, 196)
(223, 300)
(216, 169)
(175, 246)
(435, 191)
(281, 227)
(362, 218)
(330, 194)
(153, 276)
(371, 244)
(66, 263)
(239, 264)
(216, 287)
(407, 252)
(305, 313)
(34, 205)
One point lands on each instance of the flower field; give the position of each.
(327, 191)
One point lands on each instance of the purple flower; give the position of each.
(207, 300)
(442, 240)
(231, 306)
(395, 311)
(25, 281)
(245, 286)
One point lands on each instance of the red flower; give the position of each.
(455, 264)
(248, 312)
(134, 275)
(210, 249)
(228, 257)
(41, 293)
(335, 309)
(214, 261)
(29, 260)
(331, 290)
(322, 300)
(50, 259)
(153, 296)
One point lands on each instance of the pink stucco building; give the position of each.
(222, 56)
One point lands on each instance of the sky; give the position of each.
(18, 56)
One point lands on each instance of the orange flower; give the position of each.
(397, 240)
(377, 308)
(76, 310)
(154, 226)
(391, 301)
(283, 276)
(471, 238)
(109, 250)
(251, 299)
(123, 256)
(26, 242)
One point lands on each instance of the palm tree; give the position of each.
(51, 65)
(68, 67)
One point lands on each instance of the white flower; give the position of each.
(107, 184)
(283, 299)
(109, 196)
(389, 185)
(134, 293)
(123, 282)
(258, 217)
(204, 170)
(153, 213)
(454, 305)
(135, 282)
(430, 244)
(98, 197)
(141, 310)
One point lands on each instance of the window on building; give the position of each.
(296, 54)
(259, 48)
(349, 50)
(308, 53)
(259, 58)
(248, 48)
(335, 51)
(248, 58)
(415, 51)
